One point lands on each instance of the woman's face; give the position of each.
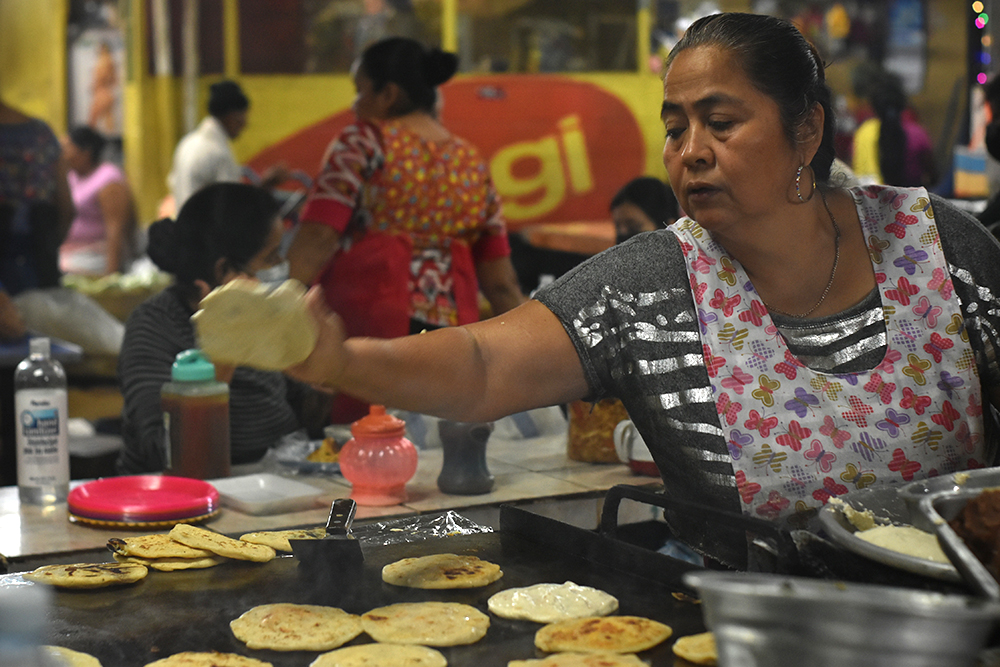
(368, 105)
(630, 220)
(726, 151)
(269, 255)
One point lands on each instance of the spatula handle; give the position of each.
(341, 516)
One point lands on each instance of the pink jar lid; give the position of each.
(378, 424)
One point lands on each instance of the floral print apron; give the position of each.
(798, 437)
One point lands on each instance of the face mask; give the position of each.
(273, 276)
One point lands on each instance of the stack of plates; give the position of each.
(143, 501)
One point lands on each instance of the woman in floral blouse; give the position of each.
(403, 227)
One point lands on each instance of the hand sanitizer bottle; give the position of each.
(40, 412)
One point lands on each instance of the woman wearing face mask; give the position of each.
(642, 205)
(403, 226)
(224, 231)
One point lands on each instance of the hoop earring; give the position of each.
(798, 186)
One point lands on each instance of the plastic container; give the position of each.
(378, 461)
(592, 428)
(195, 419)
(40, 407)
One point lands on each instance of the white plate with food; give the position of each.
(264, 493)
(884, 509)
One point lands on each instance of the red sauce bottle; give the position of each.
(195, 419)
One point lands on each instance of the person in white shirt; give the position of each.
(205, 156)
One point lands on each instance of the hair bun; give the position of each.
(162, 244)
(439, 66)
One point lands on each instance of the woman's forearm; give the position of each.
(480, 372)
(116, 207)
(312, 248)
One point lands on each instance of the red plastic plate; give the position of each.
(143, 498)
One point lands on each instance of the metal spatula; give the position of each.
(338, 550)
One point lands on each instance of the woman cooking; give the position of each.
(789, 341)
(403, 227)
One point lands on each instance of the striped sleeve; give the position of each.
(155, 332)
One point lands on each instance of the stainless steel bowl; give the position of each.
(914, 492)
(763, 620)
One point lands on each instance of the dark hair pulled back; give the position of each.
(89, 140)
(229, 221)
(416, 69)
(780, 63)
(651, 195)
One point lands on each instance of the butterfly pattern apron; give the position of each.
(798, 437)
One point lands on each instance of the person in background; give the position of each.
(35, 213)
(784, 345)
(893, 148)
(11, 323)
(101, 238)
(642, 205)
(204, 156)
(403, 226)
(36, 208)
(990, 215)
(224, 231)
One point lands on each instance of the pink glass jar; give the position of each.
(378, 461)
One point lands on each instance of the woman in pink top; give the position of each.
(403, 227)
(100, 239)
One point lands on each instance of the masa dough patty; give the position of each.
(87, 575)
(548, 603)
(278, 539)
(59, 655)
(582, 660)
(439, 571)
(381, 655)
(208, 659)
(244, 324)
(199, 538)
(171, 564)
(905, 540)
(426, 623)
(699, 649)
(613, 634)
(295, 627)
(159, 545)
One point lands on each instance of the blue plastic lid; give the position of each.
(192, 366)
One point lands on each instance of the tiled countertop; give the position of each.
(525, 470)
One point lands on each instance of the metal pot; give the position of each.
(777, 621)
(914, 492)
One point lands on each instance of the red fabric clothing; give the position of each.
(415, 216)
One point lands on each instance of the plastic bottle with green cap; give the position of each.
(195, 419)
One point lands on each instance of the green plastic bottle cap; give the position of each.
(192, 366)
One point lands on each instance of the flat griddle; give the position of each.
(170, 612)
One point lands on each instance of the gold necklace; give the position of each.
(833, 271)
